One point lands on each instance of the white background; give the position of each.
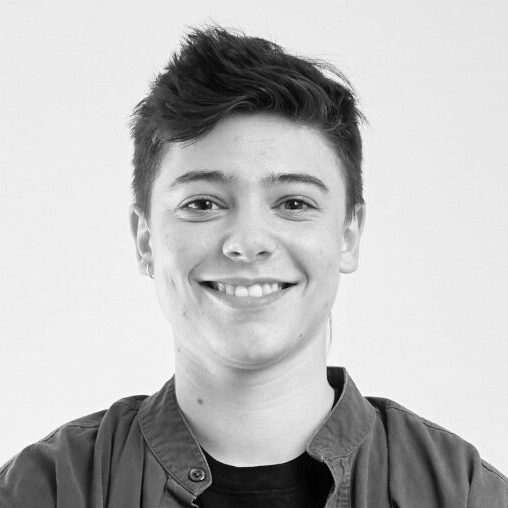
(424, 319)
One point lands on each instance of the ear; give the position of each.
(141, 235)
(351, 241)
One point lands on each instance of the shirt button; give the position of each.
(196, 474)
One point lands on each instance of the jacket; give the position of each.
(140, 453)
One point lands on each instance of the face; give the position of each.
(247, 240)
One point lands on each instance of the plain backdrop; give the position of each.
(424, 319)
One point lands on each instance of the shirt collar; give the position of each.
(173, 444)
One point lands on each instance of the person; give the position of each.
(248, 207)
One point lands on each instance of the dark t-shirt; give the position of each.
(303, 482)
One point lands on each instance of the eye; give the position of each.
(296, 204)
(200, 205)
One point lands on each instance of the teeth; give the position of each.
(255, 290)
(241, 291)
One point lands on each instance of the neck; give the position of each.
(249, 417)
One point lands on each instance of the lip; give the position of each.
(242, 281)
(246, 302)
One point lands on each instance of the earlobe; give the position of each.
(141, 236)
(351, 241)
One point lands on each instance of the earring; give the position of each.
(148, 271)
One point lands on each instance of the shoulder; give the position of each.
(65, 454)
(81, 432)
(396, 416)
(423, 453)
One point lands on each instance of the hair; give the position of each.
(218, 72)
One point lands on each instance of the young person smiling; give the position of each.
(248, 208)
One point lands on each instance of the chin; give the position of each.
(250, 364)
(254, 354)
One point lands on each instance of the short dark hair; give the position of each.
(218, 72)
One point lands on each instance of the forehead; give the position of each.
(251, 146)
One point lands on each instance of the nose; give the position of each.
(249, 240)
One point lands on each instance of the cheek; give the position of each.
(320, 252)
(181, 254)
(320, 256)
(178, 251)
(173, 265)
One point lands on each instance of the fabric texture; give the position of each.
(141, 453)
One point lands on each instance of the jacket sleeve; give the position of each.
(431, 466)
(28, 479)
(488, 487)
(47, 473)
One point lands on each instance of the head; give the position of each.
(247, 177)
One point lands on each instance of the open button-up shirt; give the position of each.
(141, 453)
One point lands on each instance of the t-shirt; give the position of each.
(300, 483)
(303, 482)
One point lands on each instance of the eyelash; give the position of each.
(208, 199)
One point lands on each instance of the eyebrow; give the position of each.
(217, 176)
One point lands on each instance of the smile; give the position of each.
(247, 296)
(254, 290)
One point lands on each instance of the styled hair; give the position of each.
(218, 72)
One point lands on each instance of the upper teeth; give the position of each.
(255, 290)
